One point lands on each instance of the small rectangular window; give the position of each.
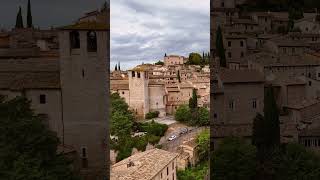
(43, 99)
(138, 74)
(241, 43)
(172, 165)
(167, 170)
(254, 104)
(229, 43)
(133, 74)
(232, 105)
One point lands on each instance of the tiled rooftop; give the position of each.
(145, 165)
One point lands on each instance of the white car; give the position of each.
(172, 137)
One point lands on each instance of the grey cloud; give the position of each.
(174, 30)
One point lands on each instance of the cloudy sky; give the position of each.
(144, 30)
(46, 13)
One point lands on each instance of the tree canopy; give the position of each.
(28, 149)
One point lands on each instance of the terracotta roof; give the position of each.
(29, 80)
(87, 25)
(119, 84)
(146, 165)
(29, 65)
(303, 104)
(240, 76)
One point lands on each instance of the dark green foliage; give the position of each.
(121, 117)
(119, 68)
(258, 134)
(203, 117)
(159, 63)
(19, 20)
(194, 59)
(29, 16)
(183, 114)
(152, 139)
(193, 173)
(28, 149)
(116, 68)
(233, 159)
(295, 162)
(220, 48)
(203, 141)
(153, 114)
(153, 128)
(193, 101)
(271, 116)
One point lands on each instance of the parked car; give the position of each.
(173, 137)
(183, 130)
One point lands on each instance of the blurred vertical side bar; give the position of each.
(84, 75)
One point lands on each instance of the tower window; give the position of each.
(43, 99)
(138, 74)
(242, 54)
(254, 104)
(84, 158)
(133, 74)
(83, 73)
(241, 43)
(92, 41)
(229, 43)
(74, 40)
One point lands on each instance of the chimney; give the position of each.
(130, 163)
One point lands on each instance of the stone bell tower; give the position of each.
(84, 52)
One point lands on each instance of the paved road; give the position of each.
(173, 145)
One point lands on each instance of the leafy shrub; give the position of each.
(152, 139)
(153, 114)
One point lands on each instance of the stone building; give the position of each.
(64, 73)
(154, 164)
(174, 60)
(237, 96)
(149, 88)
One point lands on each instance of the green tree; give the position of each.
(28, 149)
(194, 59)
(193, 101)
(220, 48)
(29, 16)
(271, 119)
(19, 20)
(119, 66)
(183, 114)
(159, 63)
(295, 162)
(116, 68)
(203, 142)
(233, 159)
(203, 117)
(121, 117)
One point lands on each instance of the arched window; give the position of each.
(74, 40)
(92, 41)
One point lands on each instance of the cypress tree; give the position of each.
(220, 48)
(19, 20)
(119, 66)
(178, 76)
(193, 101)
(165, 54)
(271, 115)
(29, 16)
(116, 68)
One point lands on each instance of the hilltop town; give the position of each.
(262, 50)
(150, 87)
